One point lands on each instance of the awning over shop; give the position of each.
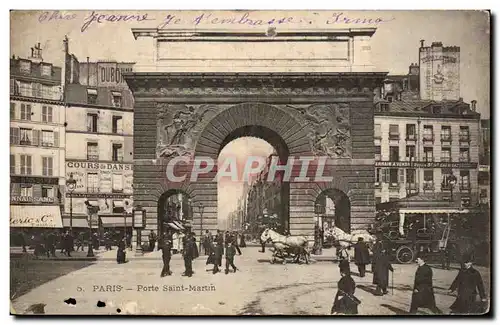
(116, 221)
(77, 223)
(176, 225)
(37, 216)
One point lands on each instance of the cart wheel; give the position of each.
(404, 255)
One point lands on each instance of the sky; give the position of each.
(394, 46)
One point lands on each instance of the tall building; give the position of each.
(484, 164)
(439, 72)
(37, 141)
(100, 142)
(419, 143)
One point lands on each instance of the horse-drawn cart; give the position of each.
(286, 247)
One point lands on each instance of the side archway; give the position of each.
(173, 204)
(335, 208)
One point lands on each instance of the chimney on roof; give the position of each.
(422, 43)
(473, 105)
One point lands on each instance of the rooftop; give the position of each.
(446, 108)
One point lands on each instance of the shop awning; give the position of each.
(116, 221)
(77, 223)
(176, 225)
(433, 211)
(37, 216)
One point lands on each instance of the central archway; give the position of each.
(267, 122)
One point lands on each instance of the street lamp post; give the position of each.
(71, 185)
(91, 210)
(201, 207)
(317, 241)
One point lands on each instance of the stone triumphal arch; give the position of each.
(201, 90)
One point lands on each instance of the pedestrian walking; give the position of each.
(468, 283)
(80, 241)
(152, 240)
(345, 302)
(166, 246)
(218, 252)
(242, 240)
(188, 253)
(230, 253)
(207, 239)
(50, 245)
(67, 243)
(381, 272)
(423, 290)
(361, 256)
(445, 257)
(192, 238)
(235, 243)
(23, 241)
(121, 254)
(376, 250)
(220, 242)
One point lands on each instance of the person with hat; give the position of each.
(189, 254)
(345, 302)
(166, 254)
(361, 256)
(467, 283)
(381, 272)
(423, 290)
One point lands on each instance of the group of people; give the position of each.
(468, 283)
(215, 247)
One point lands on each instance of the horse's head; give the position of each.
(265, 235)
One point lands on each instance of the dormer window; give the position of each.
(46, 70)
(117, 99)
(92, 96)
(389, 99)
(384, 107)
(25, 66)
(436, 109)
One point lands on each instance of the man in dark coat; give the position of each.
(207, 240)
(361, 256)
(230, 253)
(468, 283)
(377, 249)
(423, 291)
(50, 244)
(381, 272)
(68, 243)
(219, 239)
(166, 253)
(189, 253)
(152, 240)
(218, 252)
(242, 240)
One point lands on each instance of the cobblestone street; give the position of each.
(258, 287)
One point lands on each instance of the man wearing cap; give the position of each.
(381, 272)
(345, 302)
(361, 256)
(467, 283)
(423, 291)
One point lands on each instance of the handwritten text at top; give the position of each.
(210, 19)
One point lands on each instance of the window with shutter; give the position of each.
(12, 87)
(26, 136)
(12, 164)
(47, 114)
(12, 111)
(117, 183)
(394, 131)
(14, 135)
(36, 138)
(26, 112)
(47, 163)
(56, 139)
(25, 165)
(385, 176)
(401, 176)
(47, 138)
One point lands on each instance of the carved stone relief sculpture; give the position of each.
(176, 129)
(328, 128)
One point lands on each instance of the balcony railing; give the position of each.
(464, 137)
(465, 187)
(411, 137)
(92, 157)
(428, 137)
(393, 136)
(92, 189)
(445, 159)
(463, 159)
(411, 186)
(445, 138)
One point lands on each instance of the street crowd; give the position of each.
(468, 283)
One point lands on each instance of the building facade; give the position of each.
(484, 175)
(99, 154)
(419, 143)
(37, 142)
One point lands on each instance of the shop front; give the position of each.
(30, 221)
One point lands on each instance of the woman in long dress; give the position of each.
(345, 302)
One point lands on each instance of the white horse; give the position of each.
(285, 244)
(346, 240)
